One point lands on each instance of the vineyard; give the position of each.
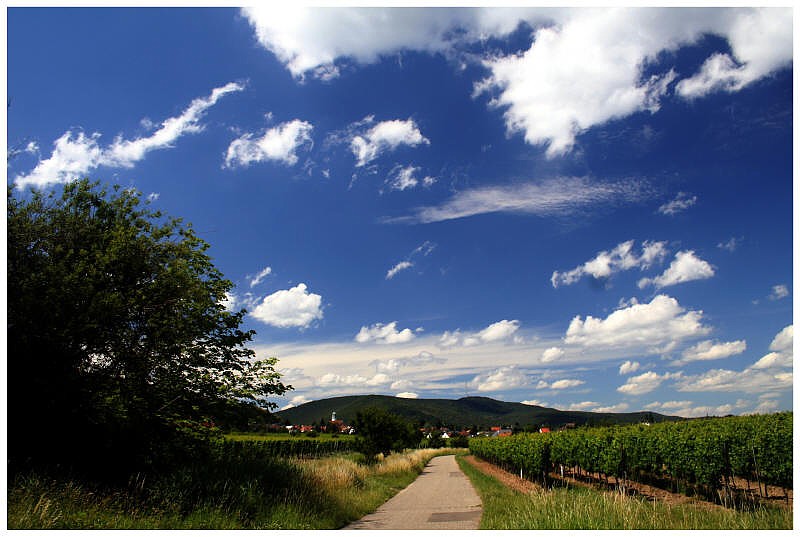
(700, 456)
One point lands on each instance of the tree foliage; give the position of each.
(381, 432)
(117, 336)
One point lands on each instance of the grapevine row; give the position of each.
(702, 455)
(285, 447)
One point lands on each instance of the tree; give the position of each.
(381, 432)
(118, 338)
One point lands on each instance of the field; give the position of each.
(240, 489)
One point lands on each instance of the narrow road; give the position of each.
(441, 498)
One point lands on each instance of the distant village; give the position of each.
(337, 426)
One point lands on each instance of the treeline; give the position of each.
(694, 456)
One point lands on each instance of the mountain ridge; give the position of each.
(464, 412)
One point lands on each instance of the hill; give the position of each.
(465, 412)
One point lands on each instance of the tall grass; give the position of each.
(586, 509)
(235, 491)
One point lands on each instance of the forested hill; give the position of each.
(465, 412)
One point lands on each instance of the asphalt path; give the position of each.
(441, 498)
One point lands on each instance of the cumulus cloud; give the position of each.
(385, 136)
(403, 385)
(75, 155)
(770, 373)
(782, 354)
(779, 292)
(503, 378)
(407, 395)
(495, 332)
(645, 383)
(640, 326)
(627, 367)
(605, 263)
(709, 350)
(552, 354)
(560, 196)
(686, 267)
(584, 67)
(562, 384)
(258, 278)
(384, 334)
(681, 202)
(761, 41)
(619, 407)
(280, 144)
(288, 308)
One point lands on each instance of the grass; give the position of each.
(321, 437)
(586, 509)
(244, 493)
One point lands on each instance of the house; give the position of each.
(544, 430)
(502, 432)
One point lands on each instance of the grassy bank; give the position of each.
(585, 509)
(244, 493)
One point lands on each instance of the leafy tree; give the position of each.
(381, 432)
(118, 340)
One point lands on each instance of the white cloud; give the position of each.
(627, 367)
(552, 354)
(393, 365)
(297, 400)
(661, 322)
(681, 202)
(336, 380)
(258, 278)
(503, 378)
(534, 402)
(404, 178)
(782, 354)
(645, 383)
(689, 409)
(605, 263)
(280, 143)
(385, 136)
(582, 406)
(562, 384)
(761, 43)
(686, 267)
(153, 196)
(709, 350)
(546, 198)
(73, 158)
(495, 332)
(619, 407)
(585, 67)
(287, 308)
(407, 395)
(724, 380)
(384, 333)
(402, 265)
(779, 292)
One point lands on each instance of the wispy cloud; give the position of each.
(75, 155)
(561, 196)
(423, 249)
(681, 202)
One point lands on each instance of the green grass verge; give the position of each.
(582, 508)
(243, 493)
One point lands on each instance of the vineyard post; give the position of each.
(758, 477)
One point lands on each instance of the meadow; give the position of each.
(238, 488)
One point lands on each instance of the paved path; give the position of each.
(441, 498)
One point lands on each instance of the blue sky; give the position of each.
(580, 208)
